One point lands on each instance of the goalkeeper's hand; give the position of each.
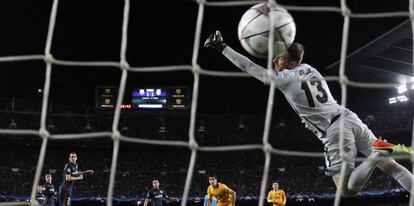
(215, 41)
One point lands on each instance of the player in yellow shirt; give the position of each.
(225, 196)
(276, 196)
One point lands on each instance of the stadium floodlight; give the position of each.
(402, 98)
(392, 100)
(402, 88)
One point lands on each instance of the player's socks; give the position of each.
(403, 176)
(362, 173)
(387, 148)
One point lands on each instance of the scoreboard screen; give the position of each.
(178, 98)
(149, 98)
(106, 97)
(144, 98)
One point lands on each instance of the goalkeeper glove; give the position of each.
(215, 41)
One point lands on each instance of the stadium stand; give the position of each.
(138, 164)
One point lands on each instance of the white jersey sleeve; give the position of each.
(254, 69)
(246, 64)
(303, 86)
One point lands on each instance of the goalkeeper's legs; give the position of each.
(398, 172)
(361, 174)
(345, 191)
(355, 179)
(388, 165)
(357, 137)
(354, 182)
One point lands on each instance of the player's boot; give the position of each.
(385, 147)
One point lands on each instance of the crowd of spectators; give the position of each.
(139, 163)
(390, 121)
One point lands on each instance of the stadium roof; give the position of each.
(388, 58)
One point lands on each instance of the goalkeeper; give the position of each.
(307, 92)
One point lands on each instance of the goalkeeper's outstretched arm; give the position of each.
(216, 42)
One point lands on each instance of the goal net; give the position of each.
(197, 70)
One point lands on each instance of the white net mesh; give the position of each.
(197, 72)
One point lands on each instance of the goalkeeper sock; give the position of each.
(403, 176)
(362, 173)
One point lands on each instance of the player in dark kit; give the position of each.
(156, 195)
(70, 175)
(40, 197)
(49, 191)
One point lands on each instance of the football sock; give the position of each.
(403, 176)
(362, 173)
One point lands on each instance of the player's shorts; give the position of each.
(65, 194)
(50, 201)
(357, 138)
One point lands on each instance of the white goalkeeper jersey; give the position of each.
(303, 86)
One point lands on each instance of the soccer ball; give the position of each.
(253, 30)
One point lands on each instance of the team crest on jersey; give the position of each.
(161, 191)
(68, 170)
